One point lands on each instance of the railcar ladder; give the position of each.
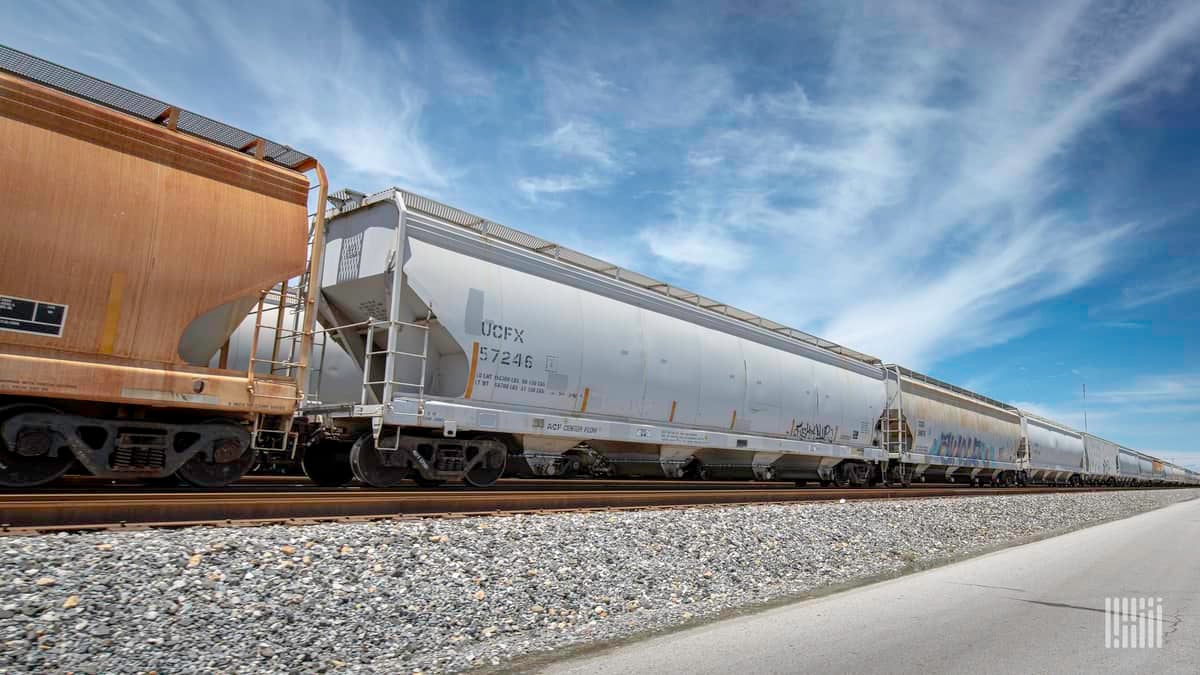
(286, 297)
(893, 426)
(293, 299)
(391, 354)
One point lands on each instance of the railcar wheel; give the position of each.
(328, 463)
(368, 465)
(490, 466)
(899, 477)
(570, 467)
(38, 455)
(845, 475)
(232, 457)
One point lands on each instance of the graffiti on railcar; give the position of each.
(806, 431)
(957, 445)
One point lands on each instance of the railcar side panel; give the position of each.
(613, 373)
(1052, 447)
(671, 383)
(1127, 463)
(946, 425)
(1101, 456)
(542, 343)
(763, 389)
(722, 380)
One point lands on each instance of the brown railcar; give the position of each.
(133, 245)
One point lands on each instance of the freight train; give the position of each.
(423, 343)
(466, 349)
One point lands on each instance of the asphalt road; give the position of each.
(1033, 608)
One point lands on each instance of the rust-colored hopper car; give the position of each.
(136, 237)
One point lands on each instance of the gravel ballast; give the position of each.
(446, 595)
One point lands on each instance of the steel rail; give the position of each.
(47, 512)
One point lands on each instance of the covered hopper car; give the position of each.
(476, 342)
(1055, 453)
(1102, 466)
(136, 237)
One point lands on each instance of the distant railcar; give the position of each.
(940, 432)
(1055, 452)
(1102, 462)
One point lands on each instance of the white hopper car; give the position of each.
(494, 348)
(500, 346)
(1102, 460)
(1055, 452)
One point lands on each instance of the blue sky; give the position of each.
(1001, 194)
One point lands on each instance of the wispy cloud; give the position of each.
(697, 247)
(1170, 388)
(535, 187)
(352, 100)
(114, 36)
(1181, 281)
(459, 74)
(909, 206)
(1160, 410)
(581, 139)
(1069, 415)
(591, 64)
(314, 78)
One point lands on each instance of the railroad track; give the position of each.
(90, 484)
(26, 513)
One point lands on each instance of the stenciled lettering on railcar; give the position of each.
(679, 437)
(505, 357)
(489, 328)
(529, 385)
(565, 427)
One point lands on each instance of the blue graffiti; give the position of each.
(966, 447)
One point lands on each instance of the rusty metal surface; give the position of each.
(22, 513)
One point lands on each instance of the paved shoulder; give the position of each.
(1034, 608)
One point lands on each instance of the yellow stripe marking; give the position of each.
(471, 372)
(112, 313)
(586, 392)
(734, 420)
(672, 417)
